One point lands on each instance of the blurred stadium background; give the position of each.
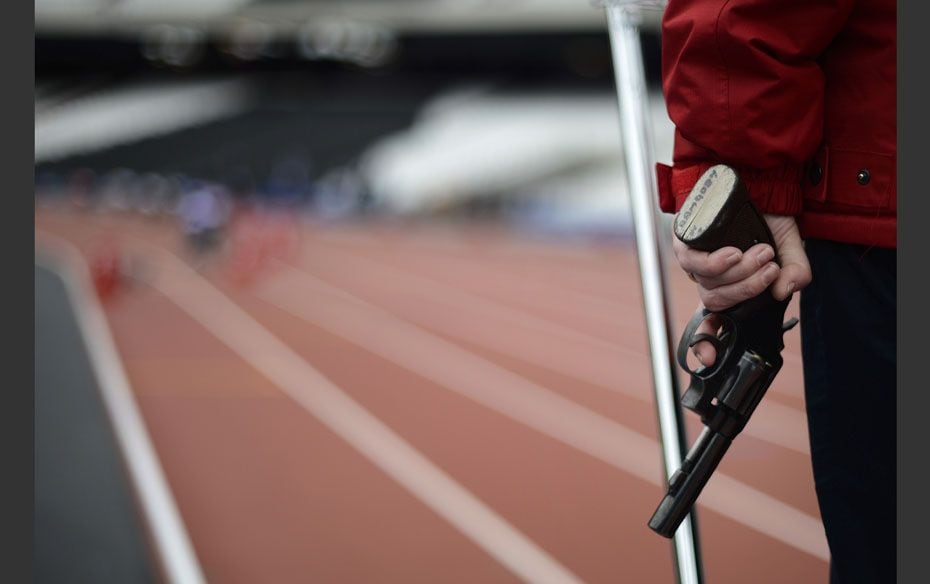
(345, 291)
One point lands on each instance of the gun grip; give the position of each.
(718, 213)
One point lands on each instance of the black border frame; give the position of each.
(16, 403)
(17, 396)
(912, 292)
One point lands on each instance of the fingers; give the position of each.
(724, 297)
(755, 258)
(705, 352)
(727, 276)
(703, 264)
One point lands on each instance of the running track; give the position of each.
(431, 404)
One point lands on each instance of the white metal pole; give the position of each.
(623, 18)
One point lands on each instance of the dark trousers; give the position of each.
(848, 333)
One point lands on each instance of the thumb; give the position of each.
(795, 271)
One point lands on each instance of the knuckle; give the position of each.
(686, 260)
(731, 276)
(747, 268)
(710, 266)
(707, 283)
(712, 300)
(749, 288)
(718, 266)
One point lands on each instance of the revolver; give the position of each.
(718, 212)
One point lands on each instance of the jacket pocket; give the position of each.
(853, 180)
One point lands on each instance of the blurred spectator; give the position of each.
(115, 187)
(49, 187)
(80, 186)
(204, 211)
(290, 180)
(339, 193)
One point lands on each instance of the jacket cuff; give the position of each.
(775, 191)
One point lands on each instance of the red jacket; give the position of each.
(799, 96)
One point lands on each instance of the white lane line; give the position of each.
(454, 368)
(353, 423)
(172, 544)
(582, 304)
(541, 342)
(409, 284)
(595, 303)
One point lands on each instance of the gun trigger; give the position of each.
(712, 339)
(789, 325)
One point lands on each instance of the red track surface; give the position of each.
(407, 322)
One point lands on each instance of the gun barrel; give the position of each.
(688, 482)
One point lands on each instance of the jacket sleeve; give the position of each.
(743, 86)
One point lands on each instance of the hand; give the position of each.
(726, 276)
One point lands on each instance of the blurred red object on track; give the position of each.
(257, 238)
(106, 271)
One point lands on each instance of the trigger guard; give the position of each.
(689, 339)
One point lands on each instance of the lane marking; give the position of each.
(173, 548)
(545, 343)
(454, 368)
(584, 304)
(353, 423)
(591, 304)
